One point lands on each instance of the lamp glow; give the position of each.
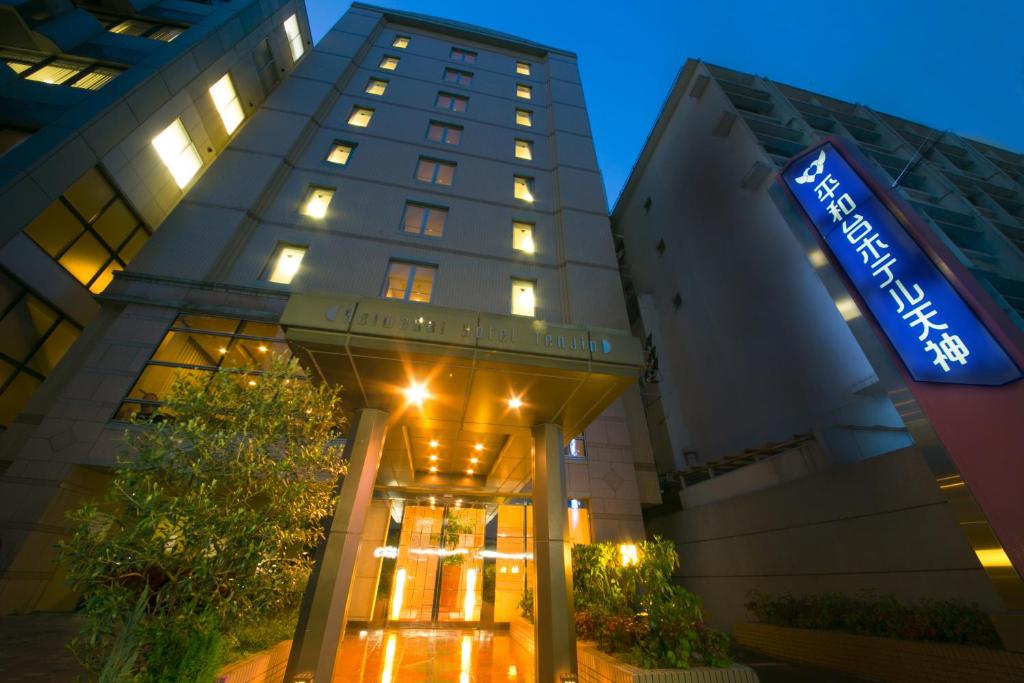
(478, 447)
(389, 658)
(469, 603)
(317, 202)
(629, 554)
(515, 403)
(396, 600)
(434, 443)
(416, 393)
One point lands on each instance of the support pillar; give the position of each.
(325, 603)
(555, 622)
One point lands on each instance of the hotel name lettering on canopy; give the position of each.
(935, 333)
(419, 322)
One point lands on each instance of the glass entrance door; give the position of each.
(439, 567)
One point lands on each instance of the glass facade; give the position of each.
(196, 346)
(34, 336)
(90, 230)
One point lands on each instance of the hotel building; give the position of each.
(792, 450)
(416, 213)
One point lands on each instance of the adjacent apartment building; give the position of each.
(793, 456)
(416, 212)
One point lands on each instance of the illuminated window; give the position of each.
(444, 132)
(142, 29)
(388, 63)
(464, 56)
(522, 298)
(524, 91)
(226, 100)
(463, 78)
(409, 281)
(401, 42)
(376, 86)
(577, 447)
(284, 264)
(317, 201)
(291, 32)
(360, 117)
(452, 102)
(422, 219)
(522, 237)
(522, 188)
(524, 118)
(522, 68)
(434, 171)
(524, 149)
(90, 231)
(340, 153)
(178, 153)
(77, 73)
(196, 346)
(34, 336)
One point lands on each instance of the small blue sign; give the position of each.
(937, 335)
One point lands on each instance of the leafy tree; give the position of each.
(214, 509)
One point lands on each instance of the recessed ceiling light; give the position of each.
(433, 443)
(474, 460)
(469, 471)
(433, 458)
(478, 447)
(416, 393)
(433, 470)
(515, 402)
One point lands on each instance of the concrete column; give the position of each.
(555, 625)
(325, 604)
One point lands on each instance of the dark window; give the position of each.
(434, 171)
(452, 102)
(423, 219)
(444, 132)
(464, 56)
(463, 78)
(265, 66)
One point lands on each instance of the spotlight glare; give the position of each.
(478, 447)
(515, 403)
(416, 393)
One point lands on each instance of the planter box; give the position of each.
(884, 659)
(597, 667)
(267, 666)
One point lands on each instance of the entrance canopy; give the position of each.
(463, 388)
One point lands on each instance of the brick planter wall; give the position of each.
(597, 667)
(884, 659)
(267, 666)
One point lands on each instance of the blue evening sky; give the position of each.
(953, 64)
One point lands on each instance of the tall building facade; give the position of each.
(416, 212)
(95, 97)
(793, 455)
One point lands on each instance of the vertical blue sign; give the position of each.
(935, 333)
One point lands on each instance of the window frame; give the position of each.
(311, 190)
(176, 327)
(227, 106)
(356, 108)
(529, 149)
(464, 56)
(527, 65)
(341, 143)
(437, 168)
(530, 188)
(400, 37)
(446, 130)
(294, 41)
(533, 231)
(275, 254)
(512, 292)
(459, 76)
(385, 58)
(38, 61)
(454, 98)
(529, 117)
(427, 208)
(374, 80)
(567, 451)
(414, 265)
(521, 88)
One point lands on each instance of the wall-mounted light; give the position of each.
(416, 393)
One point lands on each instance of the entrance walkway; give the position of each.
(427, 656)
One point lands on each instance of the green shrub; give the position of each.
(942, 621)
(635, 611)
(526, 605)
(253, 635)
